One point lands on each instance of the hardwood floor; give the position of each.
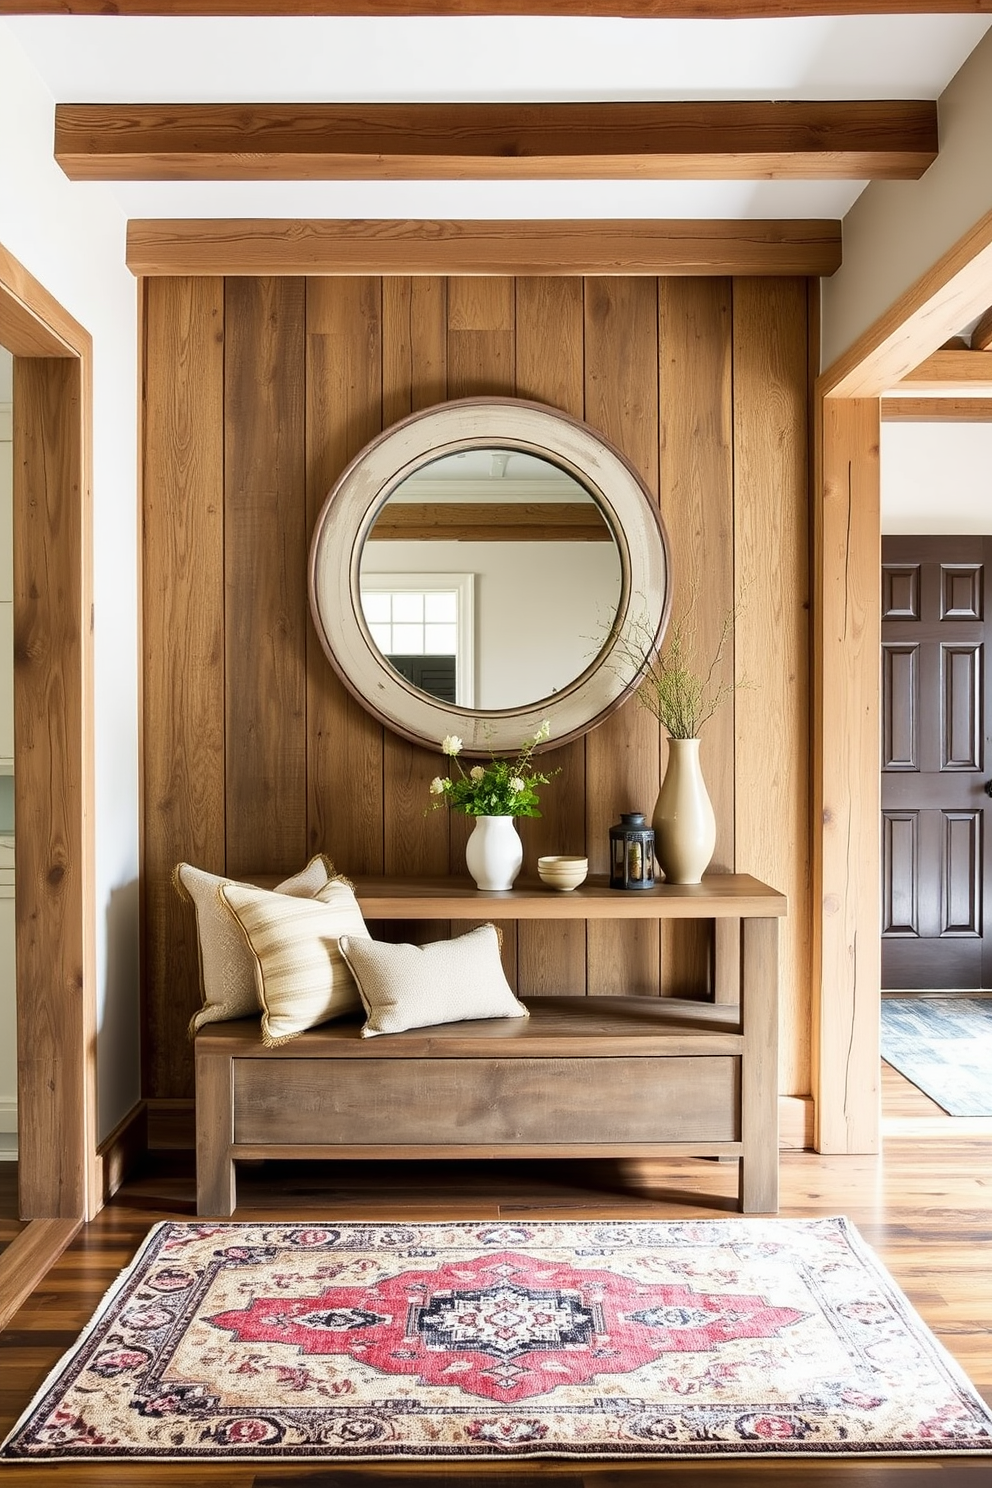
(925, 1205)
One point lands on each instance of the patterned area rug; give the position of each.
(944, 1046)
(345, 1342)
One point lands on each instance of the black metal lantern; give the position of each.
(631, 852)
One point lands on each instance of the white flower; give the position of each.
(476, 772)
(516, 784)
(437, 786)
(544, 732)
(450, 744)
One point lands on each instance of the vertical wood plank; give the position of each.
(53, 872)
(480, 337)
(265, 575)
(551, 955)
(846, 792)
(759, 1067)
(344, 403)
(695, 393)
(623, 754)
(773, 635)
(414, 360)
(182, 649)
(481, 361)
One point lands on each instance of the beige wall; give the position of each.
(897, 229)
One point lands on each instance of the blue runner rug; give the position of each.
(944, 1046)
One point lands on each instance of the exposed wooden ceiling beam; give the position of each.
(888, 140)
(937, 410)
(490, 521)
(384, 9)
(950, 371)
(981, 336)
(587, 246)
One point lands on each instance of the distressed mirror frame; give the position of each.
(350, 511)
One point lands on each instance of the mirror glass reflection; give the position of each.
(490, 578)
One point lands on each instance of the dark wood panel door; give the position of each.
(936, 762)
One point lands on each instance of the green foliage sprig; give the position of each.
(502, 788)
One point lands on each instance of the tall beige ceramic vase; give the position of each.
(683, 821)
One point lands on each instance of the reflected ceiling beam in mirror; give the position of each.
(193, 246)
(855, 140)
(457, 521)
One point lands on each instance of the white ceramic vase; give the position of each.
(494, 852)
(683, 821)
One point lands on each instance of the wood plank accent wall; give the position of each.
(258, 392)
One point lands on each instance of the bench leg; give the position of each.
(759, 1067)
(215, 1191)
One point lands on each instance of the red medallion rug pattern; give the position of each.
(640, 1339)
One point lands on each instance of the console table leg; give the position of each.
(215, 1185)
(759, 1067)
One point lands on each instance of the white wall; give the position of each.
(525, 593)
(936, 478)
(896, 230)
(72, 238)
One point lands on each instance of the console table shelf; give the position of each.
(582, 1077)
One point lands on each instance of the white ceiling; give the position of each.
(85, 59)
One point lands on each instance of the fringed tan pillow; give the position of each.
(448, 981)
(227, 967)
(301, 975)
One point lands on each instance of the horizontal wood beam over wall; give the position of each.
(582, 247)
(384, 9)
(937, 410)
(948, 371)
(856, 140)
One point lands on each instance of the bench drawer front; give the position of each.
(402, 1102)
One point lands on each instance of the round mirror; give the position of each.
(475, 567)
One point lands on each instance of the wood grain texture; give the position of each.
(727, 140)
(344, 402)
(53, 859)
(550, 362)
(377, 350)
(846, 786)
(28, 1257)
(981, 336)
(636, 246)
(695, 398)
(183, 648)
(32, 322)
(772, 637)
(265, 549)
(936, 410)
(952, 372)
(950, 294)
(623, 754)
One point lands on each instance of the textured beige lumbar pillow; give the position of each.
(301, 975)
(227, 967)
(448, 981)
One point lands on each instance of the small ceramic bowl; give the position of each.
(562, 872)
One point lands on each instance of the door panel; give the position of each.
(935, 678)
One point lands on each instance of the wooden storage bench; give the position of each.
(581, 1077)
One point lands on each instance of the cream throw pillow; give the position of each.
(301, 975)
(448, 981)
(227, 967)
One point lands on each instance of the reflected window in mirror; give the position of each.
(423, 623)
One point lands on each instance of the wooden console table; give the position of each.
(582, 1077)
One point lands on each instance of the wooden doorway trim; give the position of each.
(847, 636)
(53, 779)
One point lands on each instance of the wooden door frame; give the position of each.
(53, 780)
(846, 642)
